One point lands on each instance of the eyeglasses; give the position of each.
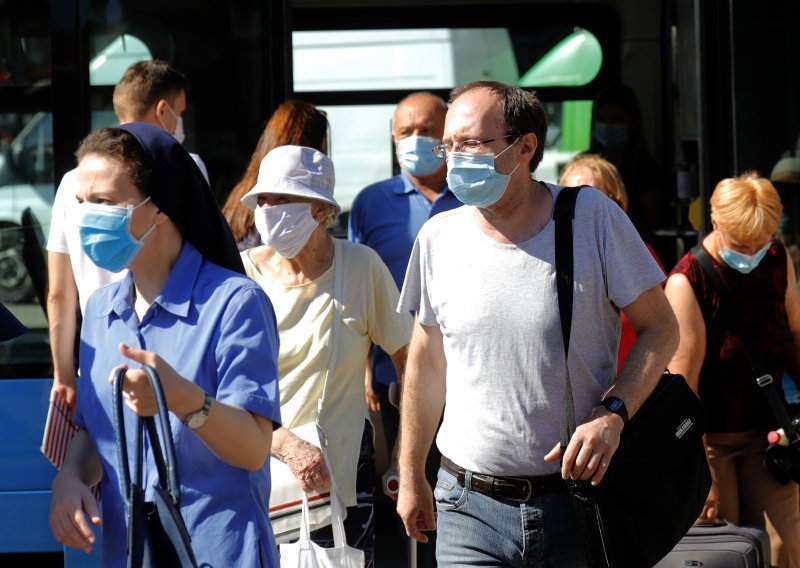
(468, 146)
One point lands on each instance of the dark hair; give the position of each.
(122, 147)
(294, 122)
(522, 112)
(144, 84)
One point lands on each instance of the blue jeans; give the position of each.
(477, 530)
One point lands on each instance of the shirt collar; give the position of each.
(407, 186)
(175, 296)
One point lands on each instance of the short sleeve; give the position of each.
(388, 328)
(57, 238)
(630, 267)
(415, 296)
(247, 355)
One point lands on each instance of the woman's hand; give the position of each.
(181, 395)
(307, 464)
(72, 502)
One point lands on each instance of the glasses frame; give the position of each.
(441, 150)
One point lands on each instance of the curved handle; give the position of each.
(119, 434)
(167, 472)
(173, 482)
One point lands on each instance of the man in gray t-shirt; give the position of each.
(487, 344)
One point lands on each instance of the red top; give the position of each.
(727, 383)
(628, 336)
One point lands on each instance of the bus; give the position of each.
(714, 81)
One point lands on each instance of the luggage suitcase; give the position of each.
(720, 546)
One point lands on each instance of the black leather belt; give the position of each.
(520, 489)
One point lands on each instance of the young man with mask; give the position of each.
(487, 345)
(149, 91)
(387, 216)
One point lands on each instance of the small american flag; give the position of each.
(58, 431)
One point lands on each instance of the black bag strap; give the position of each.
(582, 493)
(165, 458)
(563, 214)
(763, 379)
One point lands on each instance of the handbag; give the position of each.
(286, 497)
(157, 535)
(307, 554)
(658, 479)
(783, 462)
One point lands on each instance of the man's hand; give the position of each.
(591, 448)
(72, 501)
(415, 507)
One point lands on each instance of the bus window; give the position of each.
(440, 59)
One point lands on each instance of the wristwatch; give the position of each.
(195, 420)
(617, 406)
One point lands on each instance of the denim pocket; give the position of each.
(448, 493)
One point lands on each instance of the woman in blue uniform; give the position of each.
(186, 310)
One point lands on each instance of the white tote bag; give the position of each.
(306, 554)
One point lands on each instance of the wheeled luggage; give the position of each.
(720, 546)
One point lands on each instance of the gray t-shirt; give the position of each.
(496, 305)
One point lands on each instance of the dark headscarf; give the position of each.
(178, 188)
(10, 327)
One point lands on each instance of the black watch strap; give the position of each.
(617, 406)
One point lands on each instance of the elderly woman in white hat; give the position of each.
(332, 299)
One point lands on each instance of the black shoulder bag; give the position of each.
(157, 535)
(783, 462)
(658, 479)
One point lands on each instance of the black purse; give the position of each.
(658, 479)
(157, 535)
(782, 461)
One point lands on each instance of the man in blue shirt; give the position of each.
(386, 216)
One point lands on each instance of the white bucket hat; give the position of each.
(294, 170)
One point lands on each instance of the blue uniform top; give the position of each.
(217, 329)
(386, 216)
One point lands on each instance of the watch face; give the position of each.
(614, 404)
(196, 420)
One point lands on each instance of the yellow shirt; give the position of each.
(305, 314)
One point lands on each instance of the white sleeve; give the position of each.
(57, 239)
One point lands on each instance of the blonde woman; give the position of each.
(759, 275)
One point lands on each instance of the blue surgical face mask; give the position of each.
(473, 179)
(610, 135)
(415, 155)
(105, 232)
(744, 263)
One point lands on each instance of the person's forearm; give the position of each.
(422, 402)
(237, 436)
(62, 305)
(399, 359)
(646, 361)
(82, 461)
(62, 322)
